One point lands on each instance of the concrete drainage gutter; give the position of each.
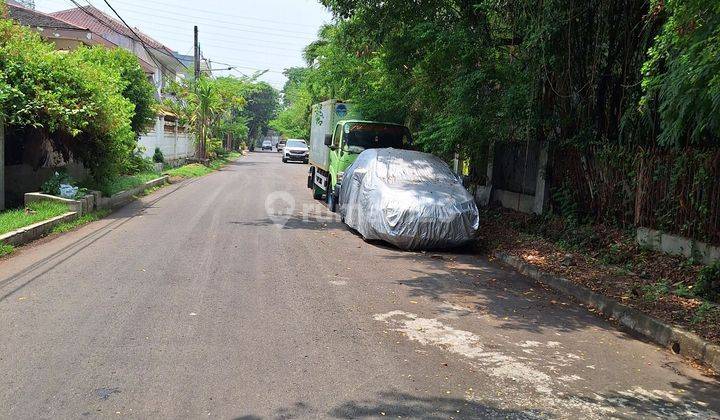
(124, 197)
(30, 233)
(95, 201)
(87, 204)
(678, 340)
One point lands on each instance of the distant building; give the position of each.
(65, 35)
(173, 140)
(189, 62)
(165, 65)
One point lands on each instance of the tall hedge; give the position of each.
(78, 97)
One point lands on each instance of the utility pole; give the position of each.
(197, 55)
(200, 122)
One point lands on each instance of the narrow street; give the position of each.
(194, 302)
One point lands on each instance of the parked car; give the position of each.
(410, 199)
(267, 145)
(281, 145)
(297, 150)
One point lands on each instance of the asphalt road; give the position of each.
(195, 302)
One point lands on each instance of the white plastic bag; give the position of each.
(68, 191)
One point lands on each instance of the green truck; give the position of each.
(338, 134)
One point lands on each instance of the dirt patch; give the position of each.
(608, 261)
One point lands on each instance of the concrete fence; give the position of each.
(94, 200)
(677, 245)
(516, 177)
(173, 140)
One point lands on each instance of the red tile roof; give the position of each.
(35, 19)
(97, 21)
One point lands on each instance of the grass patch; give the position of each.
(127, 182)
(189, 171)
(653, 292)
(196, 169)
(705, 311)
(220, 162)
(6, 249)
(82, 220)
(36, 212)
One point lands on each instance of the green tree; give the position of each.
(262, 101)
(225, 106)
(77, 103)
(683, 72)
(293, 119)
(136, 86)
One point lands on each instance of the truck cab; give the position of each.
(348, 139)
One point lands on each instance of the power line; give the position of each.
(147, 49)
(245, 67)
(172, 35)
(102, 22)
(177, 17)
(226, 15)
(180, 31)
(221, 24)
(135, 33)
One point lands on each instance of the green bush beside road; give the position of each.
(124, 183)
(196, 169)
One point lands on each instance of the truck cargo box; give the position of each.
(324, 117)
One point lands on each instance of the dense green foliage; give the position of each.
(51, 186)
(158, 156)
(85, 101)
(708, 284)
(262, 102)
(216, 108)
(467, 73)
(683, 72)
(294, 116)
(136, 87)
(625, 95)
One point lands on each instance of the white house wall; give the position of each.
(174, 144)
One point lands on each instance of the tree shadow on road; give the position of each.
(294, 223)
(397, 404)
(393, 404)
(115, 220)
(697, 400)
(516, 302)
(693, 399)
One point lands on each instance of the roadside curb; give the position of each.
(36, 231)
(95, 201)
(680, 341)
(125, 197)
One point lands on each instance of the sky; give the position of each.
(251, 34)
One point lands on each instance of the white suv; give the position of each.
(296, 149)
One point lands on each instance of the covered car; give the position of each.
(410, 199)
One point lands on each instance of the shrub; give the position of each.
(158, 156)
(52, 185)
(76, 98)
(134, 83)
(215, 149)
(137, 163)
(708, 282)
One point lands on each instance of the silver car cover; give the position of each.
(410, 199)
